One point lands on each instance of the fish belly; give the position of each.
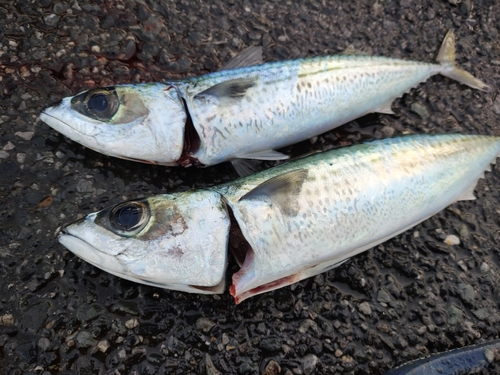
(287, 102)
(348, 201)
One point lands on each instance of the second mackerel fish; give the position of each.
(287, 223)
(242, 112)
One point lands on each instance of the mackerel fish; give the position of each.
(242, 112)
(287, 223)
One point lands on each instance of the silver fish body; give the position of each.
(306, 216)
(242, 113)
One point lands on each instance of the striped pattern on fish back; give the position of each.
(356, 197)
(293, 100)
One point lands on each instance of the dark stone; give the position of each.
(87, 313)
(125, 307)
(27, 351)
(35, 316)
(87, 365)
(270, 344)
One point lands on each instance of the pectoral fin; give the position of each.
(281, 190)
(245, 167)
(232, 89)
(250, 56)
(247, 164)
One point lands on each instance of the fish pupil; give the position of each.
(127, 217)
(98, 102)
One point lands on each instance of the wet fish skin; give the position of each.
(246, 112)
(349, 201)
(301, 218)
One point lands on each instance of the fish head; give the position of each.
(143, 122)
(173, 241)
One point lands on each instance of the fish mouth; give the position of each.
(90, 254)
(97, 258)
(57, 124)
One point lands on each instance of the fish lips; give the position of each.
(55, 117)
(91, 254)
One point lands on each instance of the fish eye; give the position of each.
(100, 104)
(128, 217)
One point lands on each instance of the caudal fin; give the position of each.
(446, 57)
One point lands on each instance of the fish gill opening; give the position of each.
(244, 255)
(191, 141)
(238, 244)
(240, 250)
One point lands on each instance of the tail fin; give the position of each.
(446, 57)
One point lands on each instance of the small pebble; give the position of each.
(9, 146)
(204, 324)
(103, 346)
(365, 308)
(422, 330)
(306, 324)
(21, 157)
(85, 339)
(384, 328)
(484, 267)
(309, 363)
(25, 135)
(462, 265)
(43, 344)
(466, 292)
(272, 368)
(421, 110)
(6, 320)
(46, 202)
(490, 355)
(132, 323)
(451, 239)
(383, 296)
(84, 186)
(51, 19)
(209, 366)
(4, 154)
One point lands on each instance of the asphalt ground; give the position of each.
(409, 297)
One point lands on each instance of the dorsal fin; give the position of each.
(281, 190)
(250, 56)
(232, 89)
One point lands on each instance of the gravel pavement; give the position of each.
(433, 288)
